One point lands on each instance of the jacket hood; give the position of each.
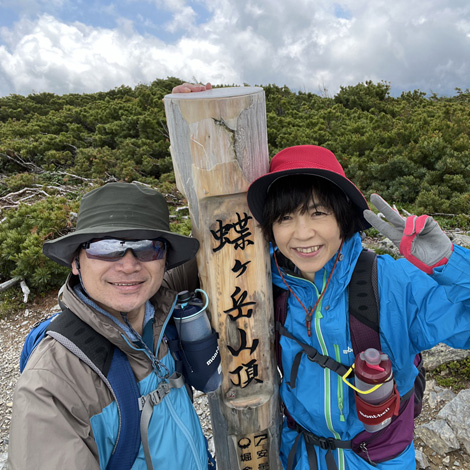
(105, 325)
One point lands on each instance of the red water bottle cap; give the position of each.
(372, 366)
(373, 358)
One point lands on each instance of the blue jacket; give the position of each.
(417, 312)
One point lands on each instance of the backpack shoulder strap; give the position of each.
(82, 340)
(364, 318)
(280, 297)
(364, 308)
(280, 312)
(112, 365)
(33, 338)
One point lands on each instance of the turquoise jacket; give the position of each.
(417, 312)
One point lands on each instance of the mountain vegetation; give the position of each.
(414, 150)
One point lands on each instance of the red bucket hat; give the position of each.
(304, 160)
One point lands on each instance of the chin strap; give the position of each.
(77, 264)
(308, 317)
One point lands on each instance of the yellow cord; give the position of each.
(363, 392)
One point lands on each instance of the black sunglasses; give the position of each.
(112, 249)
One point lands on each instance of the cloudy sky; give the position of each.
(80, 46)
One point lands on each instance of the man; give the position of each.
(64, 416)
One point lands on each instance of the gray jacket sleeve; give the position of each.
(183, 277)
(50, 430)
(54, 399)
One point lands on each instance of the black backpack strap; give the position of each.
(364, 316)
(281, 298)
(112, 365)
(77, 336)
(312, 355)
(311, 441)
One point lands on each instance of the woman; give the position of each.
(312, 215)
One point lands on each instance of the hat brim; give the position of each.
(258, 190)
(181, 248)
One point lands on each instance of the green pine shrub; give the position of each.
(22, 235)
(413, 150)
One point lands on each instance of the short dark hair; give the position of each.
(292, 193)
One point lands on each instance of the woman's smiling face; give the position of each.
(308, 238)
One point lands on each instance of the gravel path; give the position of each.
(12, 334)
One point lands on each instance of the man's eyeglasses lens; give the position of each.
(111, 249)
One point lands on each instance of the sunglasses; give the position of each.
(112, 249)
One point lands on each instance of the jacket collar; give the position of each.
(343, 271)
(161, 303)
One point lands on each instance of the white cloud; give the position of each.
(182, 19)
(318, 44)
(49, 55)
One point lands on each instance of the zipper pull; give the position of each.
(363, 447)
(341, 415)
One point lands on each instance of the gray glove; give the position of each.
(420, 239)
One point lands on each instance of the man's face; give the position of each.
(120, 286)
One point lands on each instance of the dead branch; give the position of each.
(10, 197)
(24, 287)
(26, 291)
(60, 189)
(13, 200)
(6, 285)
(87, 180)
(15, 158)
(6, 207)
(33, 168)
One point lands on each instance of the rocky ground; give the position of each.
(14, 329)
(435, 398)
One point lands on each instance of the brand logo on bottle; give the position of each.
(378, 415)
(211, 360)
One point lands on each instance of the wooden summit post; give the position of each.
(219, 146)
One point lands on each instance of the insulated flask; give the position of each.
(200, 351)
(375, 409)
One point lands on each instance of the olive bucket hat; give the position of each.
(122, 210)
(305, 160)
